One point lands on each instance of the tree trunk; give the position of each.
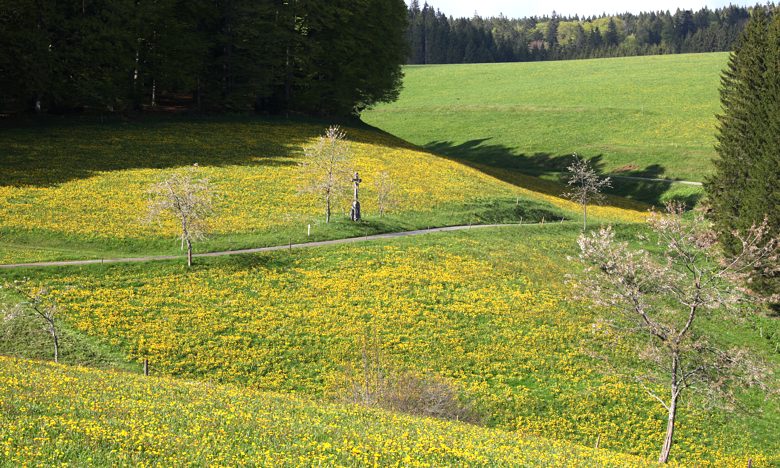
(189, 253)
(198, 95)
(668, 439)
(584, 217)
(56, 340)
(327, 209)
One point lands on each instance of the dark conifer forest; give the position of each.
(334, 57)
(437, 38)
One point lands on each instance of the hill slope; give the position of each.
(486, 310)
(57, 414)
(78, 191)
(650, 116)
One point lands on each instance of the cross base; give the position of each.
(354, 213)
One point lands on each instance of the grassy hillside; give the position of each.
(485, 310)
(649, 116)
(78, 190)
(54, 415)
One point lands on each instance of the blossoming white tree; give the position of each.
(187, 199)
(326, 169)
(385, 193)
(662, 297)
(585, 186)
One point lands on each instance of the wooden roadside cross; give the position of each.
(354, 213)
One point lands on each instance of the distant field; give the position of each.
(485, 309)
(647, 116)
(78, 190)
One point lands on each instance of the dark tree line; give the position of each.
(744, 189)
(437, 38)
(334, 57)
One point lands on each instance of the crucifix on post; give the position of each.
(354, 213)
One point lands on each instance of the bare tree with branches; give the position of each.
(35, 305)
(585, 186)
(661, 298)
(385, 193)
(327, 168)
(187, 199)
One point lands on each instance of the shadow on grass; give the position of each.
(52, 150)
(502, 162)
(46, 155)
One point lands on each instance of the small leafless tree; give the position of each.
(661, 298)
(385, 193)
(187, 199)
(585, 186)
(35, 305)
(327, 168)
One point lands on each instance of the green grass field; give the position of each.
(57, 415)
(255, 358)
(77, 190)
(644, 116)
(486, 310)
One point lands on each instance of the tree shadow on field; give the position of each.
(48, 153)
(503, 163)
(280, 261)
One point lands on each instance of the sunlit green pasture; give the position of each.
(648, 116)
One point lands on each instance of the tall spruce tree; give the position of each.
(744, 188)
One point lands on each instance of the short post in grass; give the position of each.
(146, 367)
(308, 231)
(354, 213)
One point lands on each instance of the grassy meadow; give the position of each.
(79, 190)
(486, 310)
(255, 358)
(57, 415)
(639, 116)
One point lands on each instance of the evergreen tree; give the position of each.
(611, 36)
(551, 37)
(354, 56)
(744, 188)
(594, 39)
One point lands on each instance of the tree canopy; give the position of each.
(437, 38)
(319, 57)
(744, 188)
